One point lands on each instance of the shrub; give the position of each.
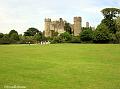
(75, 39)
(66, 37)
(5, 39)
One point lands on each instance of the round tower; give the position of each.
(77, 26)
(87, 24)
(47, 27)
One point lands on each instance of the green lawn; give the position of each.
(60, 66)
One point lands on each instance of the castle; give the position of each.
(58, 26)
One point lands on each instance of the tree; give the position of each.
(109, 15)
(101, 34)
(86, 28)
(11, 32)
(118, 24)
(27, 39)
(67, 28)
(1, 35)
(65, 36)
(38, 37)
(14, 36)
(31, 32)
(5, 39)
(86, 35)
(118, 36)
(55, 34)
(57, 39)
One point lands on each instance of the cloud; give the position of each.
(22, 14)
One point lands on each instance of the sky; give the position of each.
(23, 14)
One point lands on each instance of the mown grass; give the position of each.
(60, 66)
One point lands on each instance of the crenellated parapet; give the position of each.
(77, 19)
(47, 20)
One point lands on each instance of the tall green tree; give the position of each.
(13, 31)
(31, 32)
(110, 14)
(14, 37)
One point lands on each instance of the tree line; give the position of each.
(108, 31)
(32, 35)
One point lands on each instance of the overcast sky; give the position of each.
(23, 14)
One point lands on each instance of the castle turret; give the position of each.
(77, 26)
(61, 20)
(87, 24)
(61, 26)
(47, 27)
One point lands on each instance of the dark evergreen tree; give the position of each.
(12, 31)
(109, 15)
(31, 32)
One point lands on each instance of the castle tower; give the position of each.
(87, 24)
(77, 26)
(47, 27)
(61, 26)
